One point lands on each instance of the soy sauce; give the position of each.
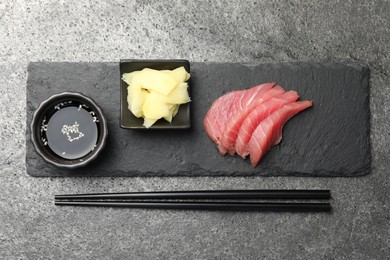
(72, 132)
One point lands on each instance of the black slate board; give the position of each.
(329, 139)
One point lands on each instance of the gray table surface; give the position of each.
(31, 227)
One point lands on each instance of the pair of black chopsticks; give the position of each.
(227, 200)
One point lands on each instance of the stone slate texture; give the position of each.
(329, 139)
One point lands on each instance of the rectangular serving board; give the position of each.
(330, 139)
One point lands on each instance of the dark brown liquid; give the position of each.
(71, 132)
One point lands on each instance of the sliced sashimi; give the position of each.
(219, 114)
(232, 128)
(256, 116)
(269, 131)
(228, 105)
(254, 93)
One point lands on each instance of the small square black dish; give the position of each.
(128, 121)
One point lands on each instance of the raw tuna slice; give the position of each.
(256, 116)
(219, 113)
(254, 93)
(269, 131)
(232, 127)
(228, 105)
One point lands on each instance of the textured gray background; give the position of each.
(31, 227)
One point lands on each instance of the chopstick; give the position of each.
(207, 194)
(225, 206)
(192, 200)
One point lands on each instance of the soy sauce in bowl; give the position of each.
(68, 130)
(72, 132)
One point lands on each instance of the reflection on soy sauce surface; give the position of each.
(72, 132)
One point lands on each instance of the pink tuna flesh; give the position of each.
(228, 105)
(256, 116)
(232, 127)
(269, 131)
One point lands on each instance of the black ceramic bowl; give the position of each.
(68, 130)
(182, 120)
